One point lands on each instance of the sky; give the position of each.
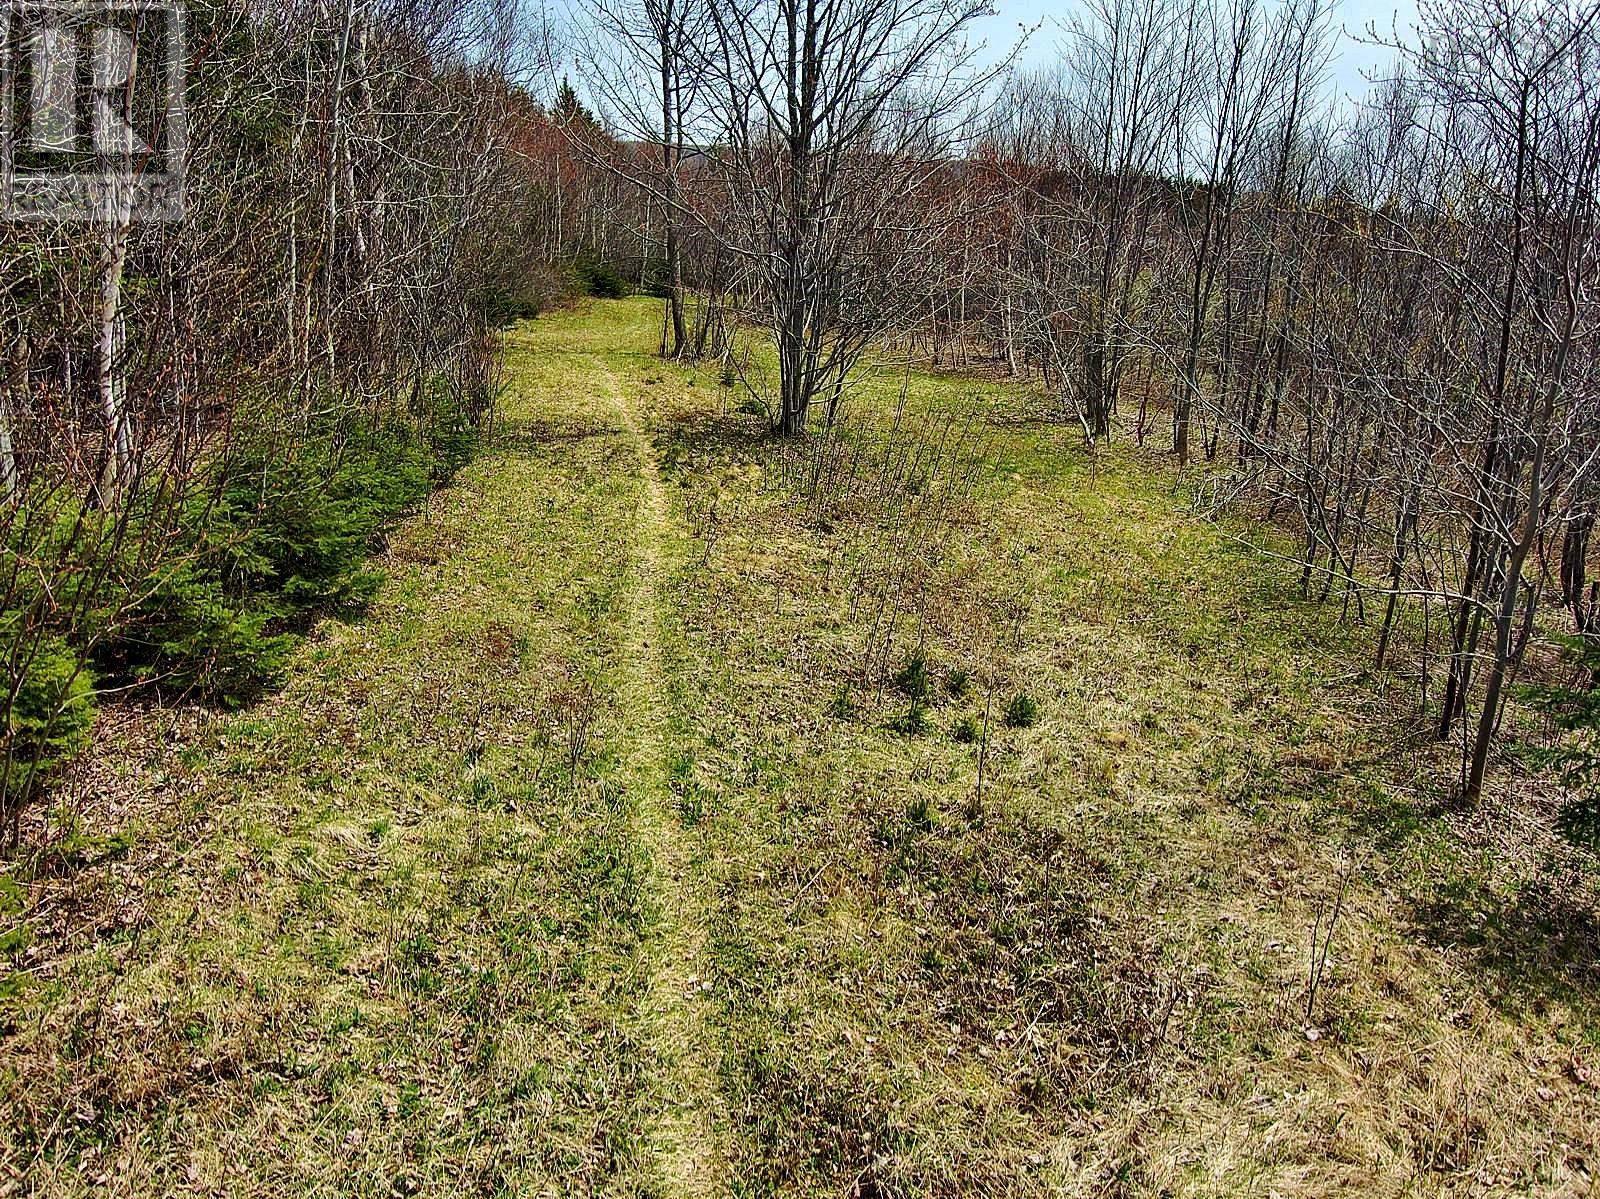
(1350, 59)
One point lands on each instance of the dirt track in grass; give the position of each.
(685, 1128)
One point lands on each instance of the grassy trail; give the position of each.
(631, 845)
(683, 1136)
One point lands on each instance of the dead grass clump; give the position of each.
(1022, 950)
(421, 543)
(822, 1121)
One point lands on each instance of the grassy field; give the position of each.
(938, 809)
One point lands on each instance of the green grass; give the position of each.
(380, 932)
(604, 855)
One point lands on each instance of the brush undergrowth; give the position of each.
(200, 589)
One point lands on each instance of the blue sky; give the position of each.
(1349, 61)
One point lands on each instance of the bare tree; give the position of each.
(643, 62)
(832, 116)
(1522, 91)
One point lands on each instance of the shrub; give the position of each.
(299, 528)
(957, 682)
(912, 678)
(514, 291)
(450, 431)
(201, 588)
(189, 635)
(51, 526)
(282, 533)
(843, 706)
(49, 710)
(1575, 710)
(913, 722)
(966, 730)
(1021, 711)
(601, 280)
(505, 307)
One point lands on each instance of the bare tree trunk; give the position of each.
(671, 161)
(17, 382)
(109, 356)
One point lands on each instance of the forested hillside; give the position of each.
(687, 599)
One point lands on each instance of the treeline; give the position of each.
(207, 417)
(1371, 324)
